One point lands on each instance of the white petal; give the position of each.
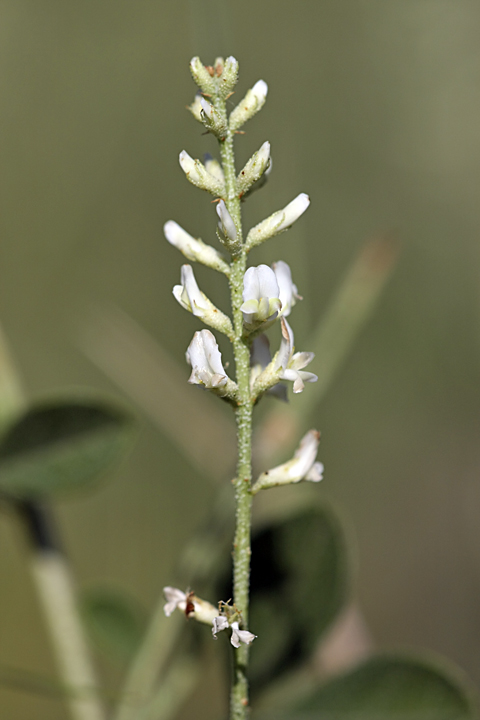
(286, 346)
(240, 636)
(260, 90)
(175, 598)
(206, 107)
(206, 361)
(219, 623)
(228, 226)
(315, 474)
(288, 291)
(294, 210)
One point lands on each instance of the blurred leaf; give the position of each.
(115, 622)
(390, 688)
(61, 445)
(299, 584)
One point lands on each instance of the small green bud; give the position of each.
(197, 174)
(253, 101)
(254, 169)
(213, 120)
(203, 77)
(228, 78)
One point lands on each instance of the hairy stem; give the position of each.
(243, 413)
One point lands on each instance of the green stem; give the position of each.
(243, 413)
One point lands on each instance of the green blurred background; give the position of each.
(373, 109)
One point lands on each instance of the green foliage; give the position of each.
(61, 445)
(389, 688)
(299, 584)
(114, 621)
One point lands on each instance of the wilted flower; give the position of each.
(302, 466)
(290, 364)
(238, 636)
(189, 604)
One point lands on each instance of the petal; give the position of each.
(267, 282)
(174, 598)
(301, 360)
(219, 623)
(315, 474)
(240, 636)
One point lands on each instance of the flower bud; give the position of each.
(194, 250)
(213, 120)
(196, 108)
(228, 231)
(254, 169)
(253, 101)
(229, 77)
(301, 467)
(201, 76)
(197, 174)
(279, 221)
(213, 167)
(190, 297)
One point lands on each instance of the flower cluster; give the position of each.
(262, 296)
(224, 618)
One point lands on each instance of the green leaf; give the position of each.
(59, 446)
(299, 584)
(390, 688)
(115, 622)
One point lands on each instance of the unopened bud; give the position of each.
(254, 169)
(279, 221)
(253, 101)
(201, 76)
(197, 174)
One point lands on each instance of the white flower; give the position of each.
(226, 224)
(193, 249)
(238, 636)
(206, 361)
(176, 599)
(301, 467)
(260, 295)
(288, 291)
(279, 221)
(189, 604)
(189, 295)
(290, 364)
